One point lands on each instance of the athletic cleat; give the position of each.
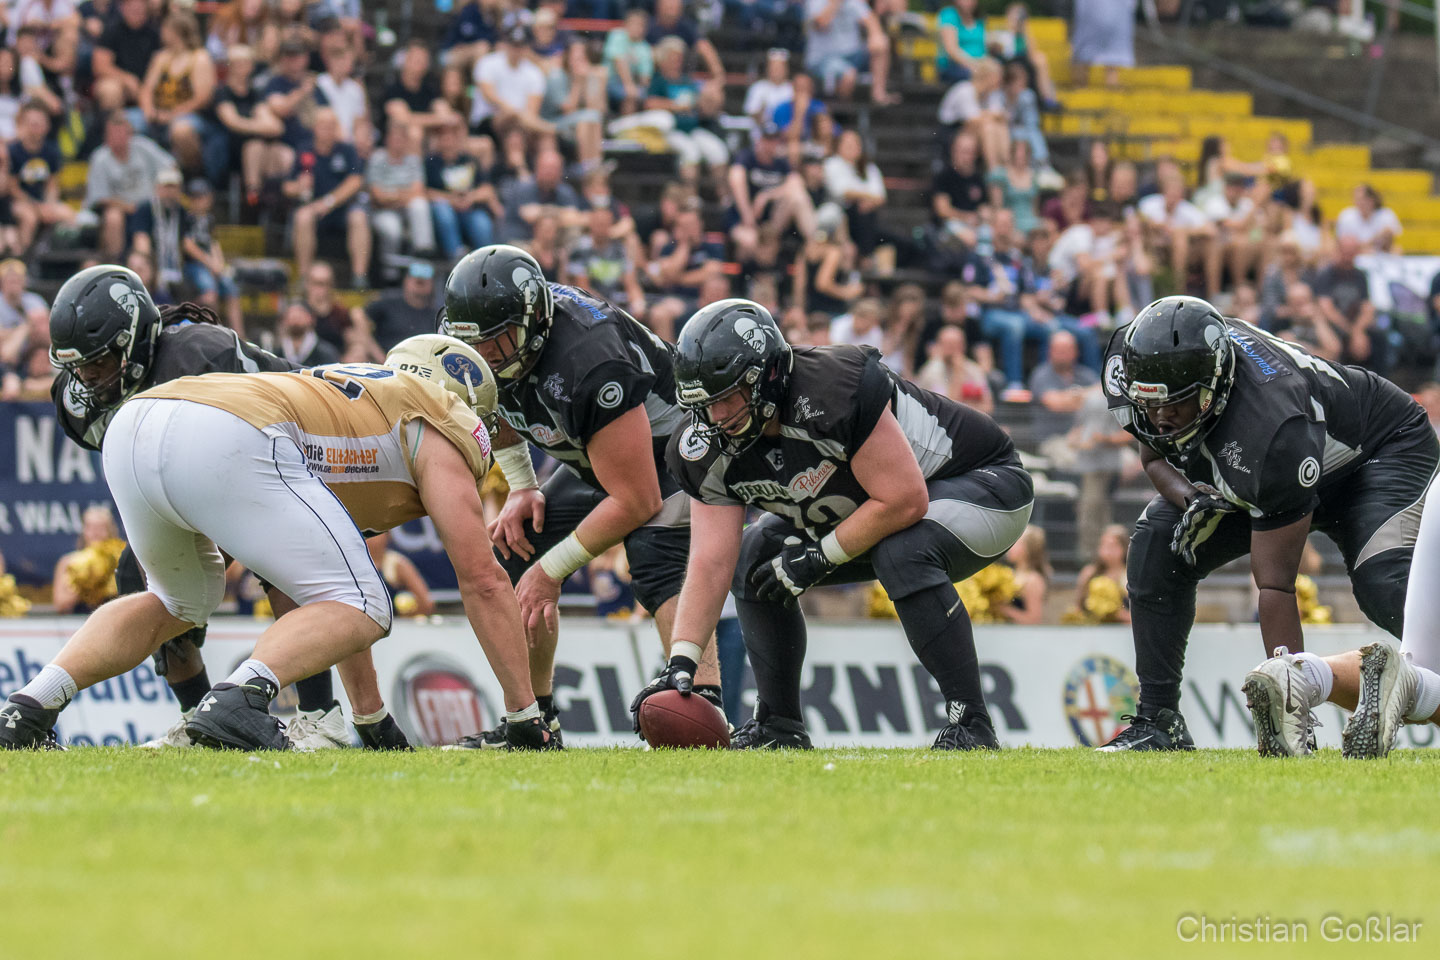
(25, 725)
(174, 737)
(1279, 696)
(773, 733)
(1164, 731)
(237, 717)
(319, 730)
(1387, 694)
(962, 733)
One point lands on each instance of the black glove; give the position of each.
(1202, 517)
(383, 734)
(678, 674)
(798, 567)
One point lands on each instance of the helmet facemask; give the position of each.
(107, 390)
(1211, 395)
(737, 432)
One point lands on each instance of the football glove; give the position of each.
(798, 567)
(383, 734)
(1202, 518)
(678, 674)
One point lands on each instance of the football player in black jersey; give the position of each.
(862, 476)
(111, 342)
(587, 384)
(1252, 442)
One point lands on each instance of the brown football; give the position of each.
(669, 719)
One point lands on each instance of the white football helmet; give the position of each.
(451, 364)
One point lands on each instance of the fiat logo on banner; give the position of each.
(440, 701)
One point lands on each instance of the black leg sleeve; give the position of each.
(317, 692)
(1162, 596)
(775, 640)
(938, 628)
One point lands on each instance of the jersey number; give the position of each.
(825, 512)
(345, 383)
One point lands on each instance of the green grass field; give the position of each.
(872, 854)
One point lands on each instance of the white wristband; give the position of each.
(684, 648)
(515, 464)
(830, 546)
(565, 558)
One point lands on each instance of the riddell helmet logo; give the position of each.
(439, 701)
(1149, 392)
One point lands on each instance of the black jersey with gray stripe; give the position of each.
(598, 363)
(182, 350)
(835, 397)
(1293, 425)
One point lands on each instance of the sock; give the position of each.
(531, 712)
(1318, 672)
(364, 719)
(52, 688)
(316, 693)
(546, 703)
(775, 639)
(938, 627)
(251, 672)
(191, 692)
(1427, 696)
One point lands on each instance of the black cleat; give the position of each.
(1164, 731)
(499, 738)
(772, 733)
(237, 717)
(385, 734)
(973, 732)
(25, 725)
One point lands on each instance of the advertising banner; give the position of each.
(46, 482)
(1045, 686)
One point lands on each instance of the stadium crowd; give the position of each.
(376, 165)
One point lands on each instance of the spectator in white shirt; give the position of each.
(771, 90)
(395, 178)
(1235, 217)
(978, 106)
(1369, 220)
(853, 181)
(843, 37)
(337, 89)
(1175, 224)
(511, 88)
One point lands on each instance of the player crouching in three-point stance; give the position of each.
(283, 471)
(587, 384)
(864, 476)
(1252, 442)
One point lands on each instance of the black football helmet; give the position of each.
(1177, 348)
(728, 347)
(495, 291)
(104, 329)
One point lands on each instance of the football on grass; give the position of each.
(669, 719)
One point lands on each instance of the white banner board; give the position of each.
(1046, 686)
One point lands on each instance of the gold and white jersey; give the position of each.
(359, 426)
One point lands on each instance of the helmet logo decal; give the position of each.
(1115, 376)
(123, 295)
(1149, 392)
(753, 334)
(610, 395)
(1309, 472)
(692, 445)
(462, 368)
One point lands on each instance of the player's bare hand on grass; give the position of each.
(507, 531)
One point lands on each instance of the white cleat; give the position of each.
(174, 737)
(1279, 696)
(1387, 694)
(318, 730)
